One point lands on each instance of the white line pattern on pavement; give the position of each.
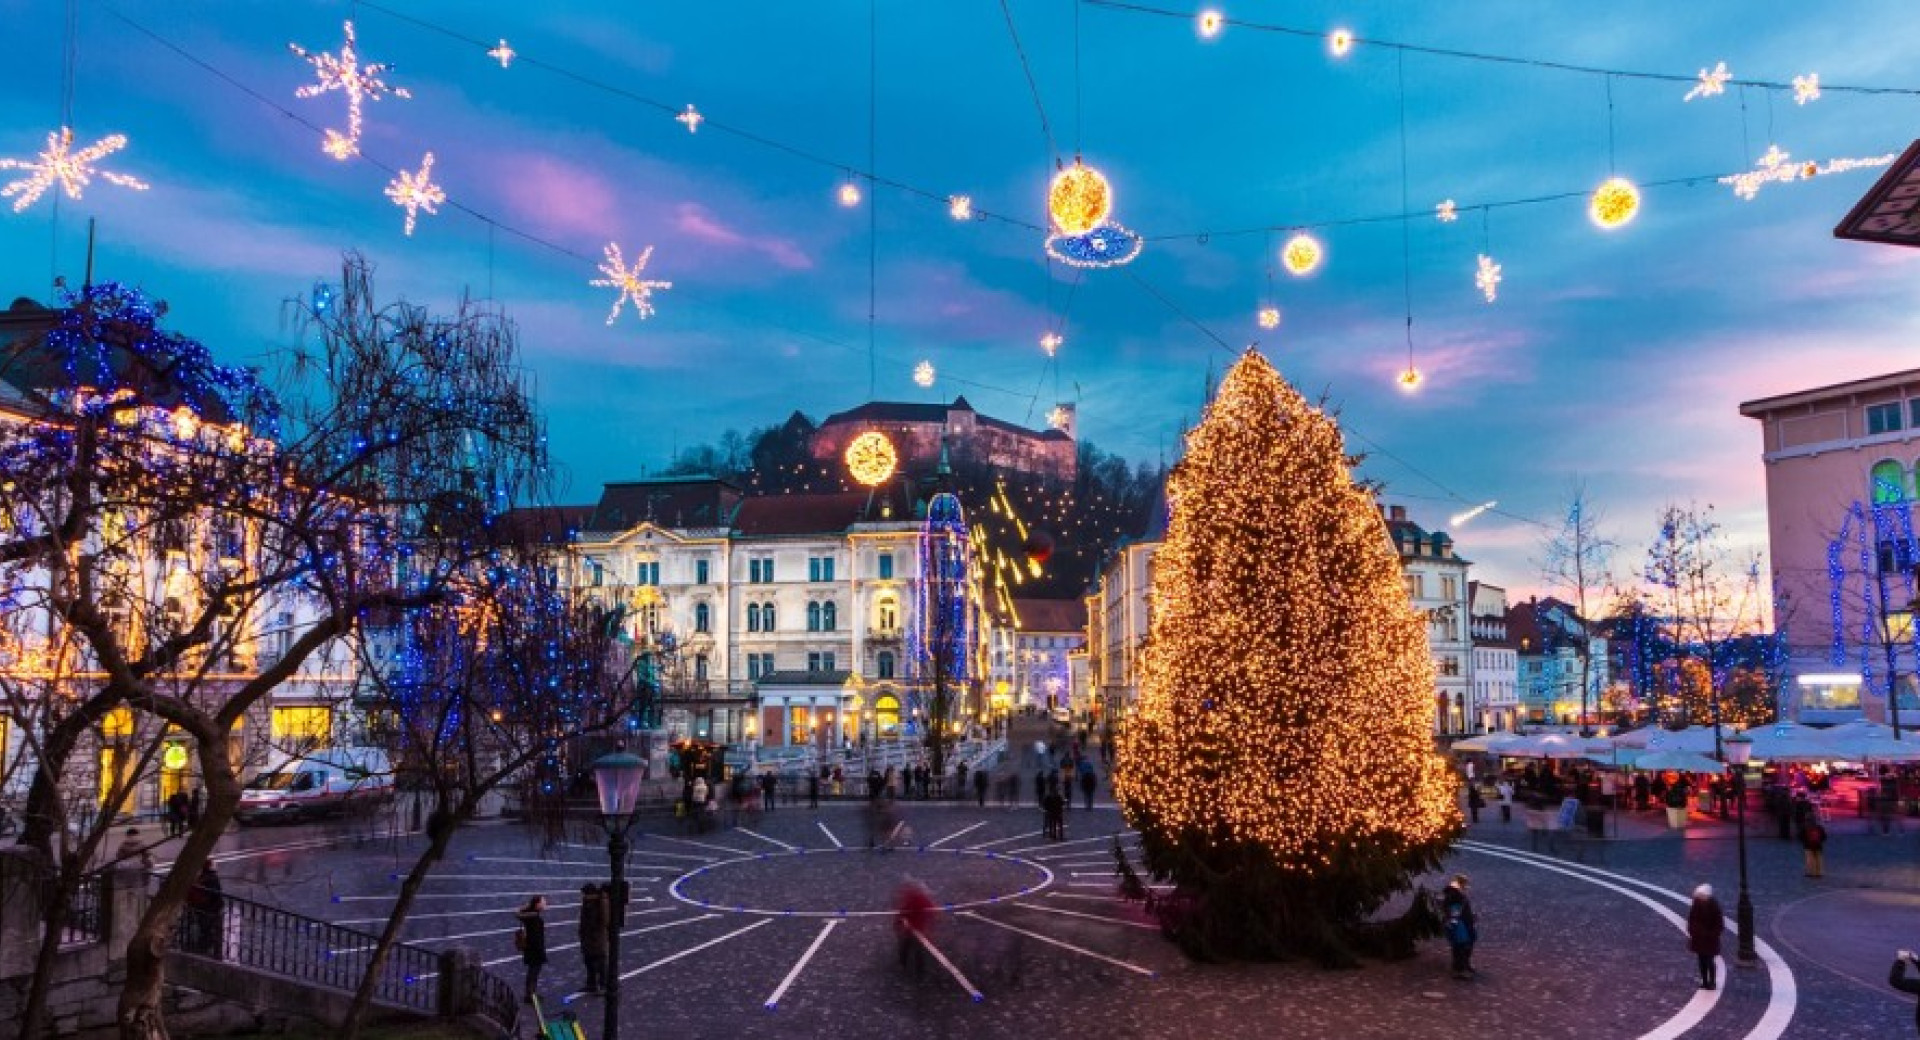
(794, 972)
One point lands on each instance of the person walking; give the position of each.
(768, 785)
(813, 790)
(593, 936)
(133, 852)
(874, 780)
(177, 803)
(1089, 783)
(912, 921)
(195, 806)
(1505, 788)
(1053, 814)
(1706, 922)
(1813, 838)
(1897, 978)
(980, 786)
(1456, 909)
(531, 939)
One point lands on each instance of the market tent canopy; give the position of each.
(1697, 739)
(1789, 742)
(1678, 761)
(1490, 743)
(1556, 745)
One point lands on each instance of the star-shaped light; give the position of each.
(923, 374)
(960, 207)
(1487, 278)
(60, 164)
(360, 83)
(692, 118)
(1269, 317)
(628, 281)
(503, 54)
(1775, 167)
(416, 191)
(1446, 212)
(1711, 83)
(1051, 342)
(1806, 88)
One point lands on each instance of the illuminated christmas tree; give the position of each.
(1280, 764)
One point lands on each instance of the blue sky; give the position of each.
(1614, 358)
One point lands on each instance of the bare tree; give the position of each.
(1704, 594)
(1576, 562)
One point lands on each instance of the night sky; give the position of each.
(1617, 358)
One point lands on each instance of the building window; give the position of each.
(819, 568)
(813, 617)
(649, 573)
(829, 617)
(888, 614)
(700, 667)
(302, 726)
(886, 559)
(753, 617)
(599, 574)
(766, 569)
(826, 661)
(1888, 481)
(702, 617)
(699, 572)
(753, 667)
(1883, 418)
(753, 570)
(1414, 586)
(884, 664)
(1449, 587)
(766, 617)
(760, 570)
(766, 664)
(813, 661)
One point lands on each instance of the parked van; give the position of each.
(319, 783)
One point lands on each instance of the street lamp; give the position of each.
(1739, 749)
(617, 779)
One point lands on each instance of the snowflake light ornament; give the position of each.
(503, 54)
(628, 281)
(1711, 83)
(923, 374)
(692, 118)
(416, 191)
(360, 83)
(1269, 317)
(1806, 88)
(960, 207)
(1051, 343)
(1487, 277)
(60, 164)
(1445, 212)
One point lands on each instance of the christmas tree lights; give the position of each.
(60, 164)
(416, 191)
(1279, 765)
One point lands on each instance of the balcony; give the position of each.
(885, 635)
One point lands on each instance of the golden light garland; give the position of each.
(628, 281)
(871, 458)
(1079, 199)
(1050, 342)
(849, 194)
(1301, 254)
(414, 192)
(1712, 82)
(1614, 203)
(503, 53)
(691, 119)
(1806, 88)
(1445, 212)
(1774, 168)
(1486, 277)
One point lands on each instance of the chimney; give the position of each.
(1397, 513)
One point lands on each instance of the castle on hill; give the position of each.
(919, 431)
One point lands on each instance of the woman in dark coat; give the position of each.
(1456, 909)
(533, 949)
(1706, 922)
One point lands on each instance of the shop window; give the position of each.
(304, 725)
(886, 715)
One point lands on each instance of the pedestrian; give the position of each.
(1053, 815)
(1897, 978)
(960, 779)
(206, 905)
(133, 852)
(980, 786)
(768, 784)
(177, 803)
(1462, 930)
(531, 941)
(1642, 791)
(1088, 782)
(1705, 924)
(1505, 787)
(1813, 838)
(874, 781)
(813, 790)
(593, 935)
(1475, 801)
(912, 921)
(195, 806)
(1040, 787)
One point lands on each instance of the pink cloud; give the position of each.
(555, 196)
(698, 223)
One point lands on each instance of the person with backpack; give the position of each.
(1813, 839)
(531, 941)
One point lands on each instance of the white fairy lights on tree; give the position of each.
(628, 281)
(60, 164)
(416, 191)
(360, 83)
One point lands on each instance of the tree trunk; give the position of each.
(54, 915)
(139, 1013)
(440, 829)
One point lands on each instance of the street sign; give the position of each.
(1890, 212)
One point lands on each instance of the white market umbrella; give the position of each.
(1789, 742)
(1556, 745)
(1678, 761)
(1855, 730)
(1488, 743)
(1876, 749)
(1697, 739)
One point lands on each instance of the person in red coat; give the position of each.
(913, 918)
(1706, 922)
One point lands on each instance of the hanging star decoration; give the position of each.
(1806, 88)
(360, 83)
(1711, 83)
(503, 54)
(1487, 277)
(628, 281)
(691, 118)
(416, 191)
(923, 374)
(60, 164)
(1051, 343)
(1774, 168)
(960, 207)
(1269, 317)
(1445, 212)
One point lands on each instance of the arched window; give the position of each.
(702, 617)
(700, 667)
(1889, 482)
(888, 614)
(753, 617)
(829, 617)
(885, 664)
(766, 618)
(886, 715)
(813, 617)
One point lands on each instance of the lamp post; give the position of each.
(1739, 749)
(617, 779)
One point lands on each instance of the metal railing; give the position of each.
(496, 999)
(280, 942)
(87, 913)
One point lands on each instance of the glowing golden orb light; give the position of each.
(1410, 380)
(1615, 203)
(1079, 199)
(1340, 41)
(871, 458)
(1269, 317)
(1210, 23)
(1301, 254)
(849, 194)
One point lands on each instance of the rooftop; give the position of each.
(1872, 384)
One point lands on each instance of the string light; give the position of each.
(1301, 254)
(1340, 41)
(1446, 213)
(59, 164)
(923, 374)
(345, 73)
(1269, 317)
(871, 458)
(416, 191)
(1050, 342)
(960, 207)
(1615, 203)
(849, 194)
(1487, 277)
(1774, 168)
(503, 53)
(1711, 83)
(1210, 23)
(1410, 380)
(692, 119)
(628, 281)
(1806, 88)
